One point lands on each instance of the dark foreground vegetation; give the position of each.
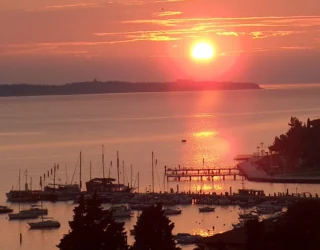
(296, 151)
(97, 87)
(93, 228)
(297, 229)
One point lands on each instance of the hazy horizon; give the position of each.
(50, 42)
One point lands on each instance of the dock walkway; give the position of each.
(179, 174)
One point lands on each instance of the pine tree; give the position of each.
(93, 229)
(153, 231)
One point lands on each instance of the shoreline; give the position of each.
(252, 173)
(116, 87)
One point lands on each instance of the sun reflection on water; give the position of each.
(205, 133)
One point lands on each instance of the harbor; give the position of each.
(226, 210)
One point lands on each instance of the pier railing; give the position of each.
(204, 173)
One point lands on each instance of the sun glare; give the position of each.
(202, 51)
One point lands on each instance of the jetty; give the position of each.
(202, 173)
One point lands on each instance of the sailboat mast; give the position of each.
(65, 165)
(103, 161)
(131, 176)
(80, 169)
(138, 183)
(90, 170)
(54, 177)
(118, 168)
(26, 184)
(152, 173)
(123, 176)
(19, 179)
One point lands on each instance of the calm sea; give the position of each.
(37, 132)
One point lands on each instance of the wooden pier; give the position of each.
(181, 173)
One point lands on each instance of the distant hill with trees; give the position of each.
(98, 87)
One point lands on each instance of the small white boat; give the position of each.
(5, 209)
(172, 211)
(44, 223)
(121, 211)
(206, 209)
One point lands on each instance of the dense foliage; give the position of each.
(93, 229)
(300, 145)
(297, 229)
(153, 231)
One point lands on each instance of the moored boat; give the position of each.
(106, 185)
(172, 211)
(44, 223)
(139, 206)
(5, 209)
(120, 211)
(34, 212)
(206, 209)
(250, 215)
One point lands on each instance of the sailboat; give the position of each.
(107, 185)
(63, 192)
(44, 223)
(25, 195)
(34, 212)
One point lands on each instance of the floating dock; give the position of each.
(183, 174)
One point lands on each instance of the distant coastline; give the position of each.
(97, 87)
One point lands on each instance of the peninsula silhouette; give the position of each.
(98, 87)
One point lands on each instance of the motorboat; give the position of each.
(269, 206)
(172, 211)
(265, 210)
(185, 238)
(249, 216)
(5, 209)
(36, 209)
(34, 212)
(140, 206)
(44, 223)
(238, 225)
(22, 215)
(121, 211)
(206, 209)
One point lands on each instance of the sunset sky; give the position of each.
(59, 41)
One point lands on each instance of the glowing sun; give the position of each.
(202, 51)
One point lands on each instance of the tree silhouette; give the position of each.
(300, 142)
(93, 229)
(153, 231)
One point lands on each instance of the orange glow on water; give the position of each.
(205, 133)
